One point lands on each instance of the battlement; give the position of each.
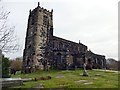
(41, 9)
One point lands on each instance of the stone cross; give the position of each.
(85, 71)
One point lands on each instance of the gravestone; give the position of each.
(81, 81)
(60, 77)
(87, 83)
(38, 85)
(8, 82)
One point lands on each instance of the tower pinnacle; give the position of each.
(52, 10)
(30, 11)
(79, 41)
(38, 4)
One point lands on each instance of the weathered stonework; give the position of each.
(97, 61)
(43, 50)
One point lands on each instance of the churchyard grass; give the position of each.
(70, 79)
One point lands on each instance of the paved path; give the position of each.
(105, 70)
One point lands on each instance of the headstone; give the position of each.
(88, 83)
(60, 77)
(75, 67)
(81, 81)
(95, 78)
(8, 82)
(97, 74)
(38, 85)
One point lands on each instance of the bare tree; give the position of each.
(8, 40)
(16, 63)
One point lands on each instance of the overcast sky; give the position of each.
(93, 22)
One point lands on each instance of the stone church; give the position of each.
(43, 50)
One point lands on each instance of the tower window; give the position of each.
(33, 19)
(45, 20)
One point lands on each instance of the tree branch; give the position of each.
(7, 38)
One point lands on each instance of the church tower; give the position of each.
(38, 41)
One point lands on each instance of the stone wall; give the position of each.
(95, 60)
(67, 54)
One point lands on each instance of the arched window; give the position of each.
(28, 61)
(59, 59)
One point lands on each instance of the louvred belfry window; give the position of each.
(45, 20)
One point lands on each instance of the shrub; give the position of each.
(5, 67)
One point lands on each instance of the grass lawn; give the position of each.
(70, 79)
